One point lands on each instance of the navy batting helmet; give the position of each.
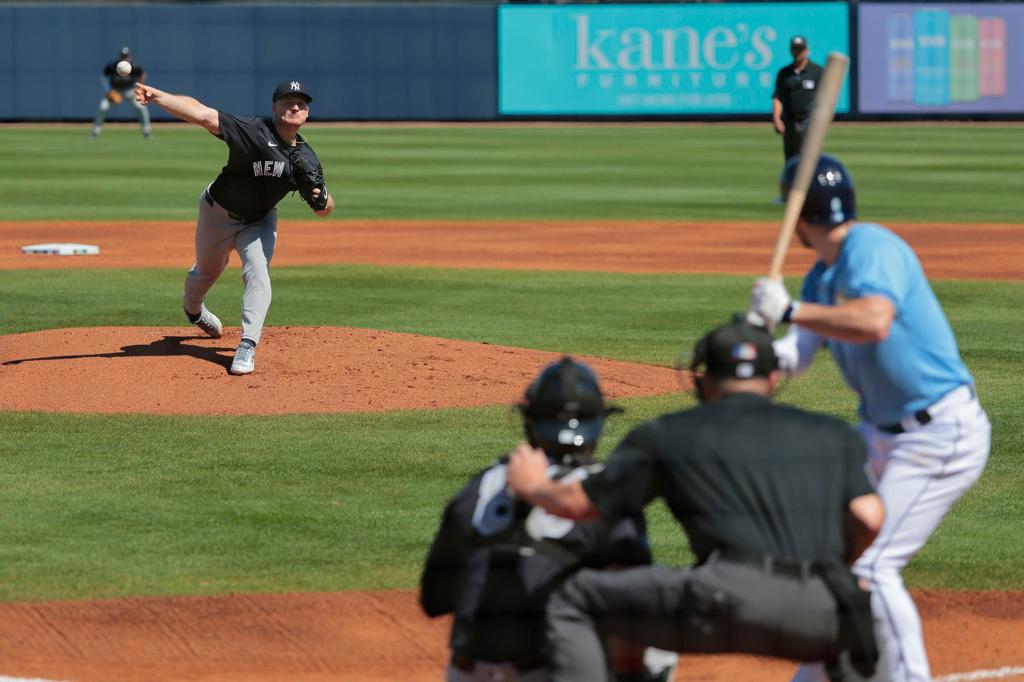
(564, 408)
(830, 196)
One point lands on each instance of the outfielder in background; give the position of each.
(496, 559)
(117, 88)
(267, 159)
(928, 438)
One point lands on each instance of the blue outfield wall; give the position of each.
(381, 62)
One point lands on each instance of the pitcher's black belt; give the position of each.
(921, 416)
(233, 216)
(523, 665)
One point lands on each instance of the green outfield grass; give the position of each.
(101, 506)
(98, 506)
(956, 172)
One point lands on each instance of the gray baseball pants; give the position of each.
(217, 234)
(717, 607)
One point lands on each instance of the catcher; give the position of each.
(116, 87)
(496, 559)
(267, 159)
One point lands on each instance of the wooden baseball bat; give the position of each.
(821, 116)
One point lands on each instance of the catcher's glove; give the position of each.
(114, 96)
(307, 179)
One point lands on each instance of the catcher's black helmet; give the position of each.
(830, 196)
(564, 409)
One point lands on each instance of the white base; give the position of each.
(62, 249)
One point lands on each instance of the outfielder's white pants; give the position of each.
(129, 96)
(920, 474)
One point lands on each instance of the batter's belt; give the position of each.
(958, 396)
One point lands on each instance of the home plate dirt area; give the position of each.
(322, 637)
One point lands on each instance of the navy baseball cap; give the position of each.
(738, 350)
(286, 88)
(797, 42)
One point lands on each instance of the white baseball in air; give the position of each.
(124, 68)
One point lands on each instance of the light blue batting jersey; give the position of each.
(918, 362)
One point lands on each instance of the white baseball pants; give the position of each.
(920, 474)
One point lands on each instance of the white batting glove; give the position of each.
(770, 301)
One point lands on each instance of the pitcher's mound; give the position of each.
(173, 370)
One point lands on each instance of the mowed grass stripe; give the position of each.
(109, 506)
(946, 173)
(640, 317)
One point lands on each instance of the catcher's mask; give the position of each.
(737, 350)
(564, 410)
(830, 198)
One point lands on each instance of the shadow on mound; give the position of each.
(168, 346)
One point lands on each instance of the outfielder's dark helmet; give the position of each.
(830, 196)
(564, 408)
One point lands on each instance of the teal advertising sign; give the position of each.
(657, 59)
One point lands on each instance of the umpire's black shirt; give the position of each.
(742, 474)
(796, 90)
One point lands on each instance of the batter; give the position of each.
(238, 210)
(928, 438)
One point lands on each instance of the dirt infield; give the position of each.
(947, 251)
(383, 635)
(378, 636)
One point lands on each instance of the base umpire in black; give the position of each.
(795, 87)
(495, 559)
(775, 502)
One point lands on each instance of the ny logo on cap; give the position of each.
(296, 85)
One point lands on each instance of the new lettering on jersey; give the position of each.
(258, 173)
(271, 168)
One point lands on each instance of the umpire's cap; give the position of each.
(286, 88)
(564, 405)
(737, 350)
(830, 197)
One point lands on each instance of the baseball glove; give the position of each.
(114, 96)
(307, 179)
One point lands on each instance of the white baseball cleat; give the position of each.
(209, 323)
(245, 359)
